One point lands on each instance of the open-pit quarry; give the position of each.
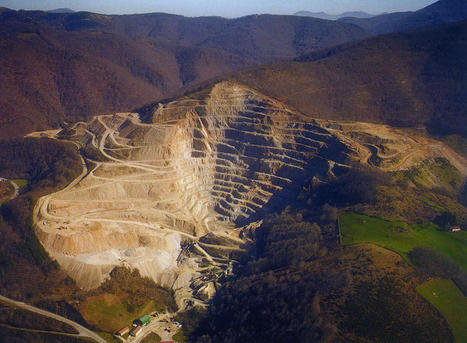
(177, 198)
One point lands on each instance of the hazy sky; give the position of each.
(225, 8)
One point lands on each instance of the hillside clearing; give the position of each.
(401, 237)
(446, 297)
(110, 313)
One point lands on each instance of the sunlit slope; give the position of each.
(178, 197)
(65, 67)
(175, 198)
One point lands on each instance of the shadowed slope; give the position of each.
(407, 79)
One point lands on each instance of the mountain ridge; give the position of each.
(61, 10)
(324, 15)
(58, 67)
(438, 13)
(407, 79)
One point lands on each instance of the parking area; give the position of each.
(160, 323)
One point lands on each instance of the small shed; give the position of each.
(142, 321)
(123, 331)
(455, 228)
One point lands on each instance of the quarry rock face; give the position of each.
(175, 198)
(149, 191)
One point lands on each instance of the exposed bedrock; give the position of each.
(204, 165)
(207, 164)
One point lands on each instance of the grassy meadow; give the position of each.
(110, 313)
(402, 237)
(447, 298)
(20, 182)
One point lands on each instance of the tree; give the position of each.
(445, 220)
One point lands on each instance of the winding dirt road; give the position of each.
(82, 331)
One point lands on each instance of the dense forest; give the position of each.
(47, 165)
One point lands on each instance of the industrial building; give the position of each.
(142, 321)
(123, 331)
(136, 331)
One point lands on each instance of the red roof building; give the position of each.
(123, 331)
(136, 331)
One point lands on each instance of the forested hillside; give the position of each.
(406, 79)
(59, 67)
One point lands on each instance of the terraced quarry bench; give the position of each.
(176, 198)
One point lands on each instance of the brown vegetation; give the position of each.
(382, 291)
(48, 165)
(8, 334)
(361, 293)
(25, 319)
(6, 190)
(67, 67)
(405, 79)
(123, 298)
(434, 264)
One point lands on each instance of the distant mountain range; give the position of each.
(323, 15)
(57, 67)
(439, 13)
(61, 10)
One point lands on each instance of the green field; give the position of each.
(449, 300)
(110, 313)
(20, 182)
(401, 237)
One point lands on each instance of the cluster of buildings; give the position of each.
(137, 326)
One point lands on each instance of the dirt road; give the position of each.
(82, 331)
